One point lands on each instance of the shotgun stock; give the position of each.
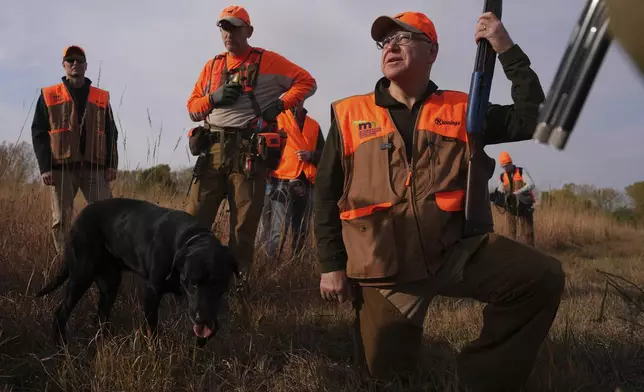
(478, 213)
(197, 169)
(577, 70)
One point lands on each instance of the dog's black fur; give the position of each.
(166, 247)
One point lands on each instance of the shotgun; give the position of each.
(478, 213)
(577, 70)
(197, 169)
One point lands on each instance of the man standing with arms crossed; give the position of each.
(74, 138)
(391, 184)
(234, 90)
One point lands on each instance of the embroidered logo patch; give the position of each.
(366, 128)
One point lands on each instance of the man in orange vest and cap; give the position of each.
(290, 192)
(517, 186)
(389, 212)
(74, 138)
(238, 92)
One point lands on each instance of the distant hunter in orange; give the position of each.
(238, 91)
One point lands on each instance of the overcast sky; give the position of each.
(151, 52)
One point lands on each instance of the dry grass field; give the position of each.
(294, 341)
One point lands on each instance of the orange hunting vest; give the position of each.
(398, 218)
(306, 139)
(65, 132)
(517, 181)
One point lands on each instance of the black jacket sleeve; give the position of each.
(317, 154)
(111, 139)
(329, 184)
(40, 136)
(516, 122)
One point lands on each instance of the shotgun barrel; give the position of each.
(478, 214)
(585, 52)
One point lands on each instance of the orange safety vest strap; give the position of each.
(446, 117)
(98, 97)
(56, 95)
(364, 211)
(450, 201)
(517, 175)
(363, 130)
(59, 130)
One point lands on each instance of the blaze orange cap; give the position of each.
(235, 14)
(73, 47)
(504, 158)
(415, 22)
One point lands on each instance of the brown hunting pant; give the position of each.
(525, 222)
(521, 287)
(246, 201)
(91, 183)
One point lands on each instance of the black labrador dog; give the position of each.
(167, 247)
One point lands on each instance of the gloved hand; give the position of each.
(271, 112)
(226, 95)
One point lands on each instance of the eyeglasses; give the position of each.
(71, 60)
(229, 27)
(401, 38)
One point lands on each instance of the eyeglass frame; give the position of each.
(400, 35)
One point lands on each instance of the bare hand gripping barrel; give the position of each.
(478, 214)
(584, 55)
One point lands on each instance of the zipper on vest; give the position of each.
(409, 163)
(413, 187)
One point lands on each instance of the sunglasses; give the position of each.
(71, 60)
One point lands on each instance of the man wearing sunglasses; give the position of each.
(238, 92)
(389, 200)
(74, 138)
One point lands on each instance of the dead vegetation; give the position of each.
(292, 340)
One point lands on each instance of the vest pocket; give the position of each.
(60, 141)
(451, 201)
(368, 234)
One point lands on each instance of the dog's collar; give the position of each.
(196, 237)
(184, 246)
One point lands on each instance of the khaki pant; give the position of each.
(245, 198)
(67, 182)
(522, 288)
(525, 220)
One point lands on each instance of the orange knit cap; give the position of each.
(504, 158)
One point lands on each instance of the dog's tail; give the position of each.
(63, 273)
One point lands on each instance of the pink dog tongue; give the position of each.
(202, 331)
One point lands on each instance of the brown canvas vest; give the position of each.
(398, 217)
(65, 132)
(290, 166)
(516, 183)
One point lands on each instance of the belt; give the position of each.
(216, 132)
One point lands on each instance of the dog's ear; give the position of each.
(177, 260)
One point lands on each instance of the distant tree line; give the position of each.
(18, 166)
(625, 206)
(157, 178)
